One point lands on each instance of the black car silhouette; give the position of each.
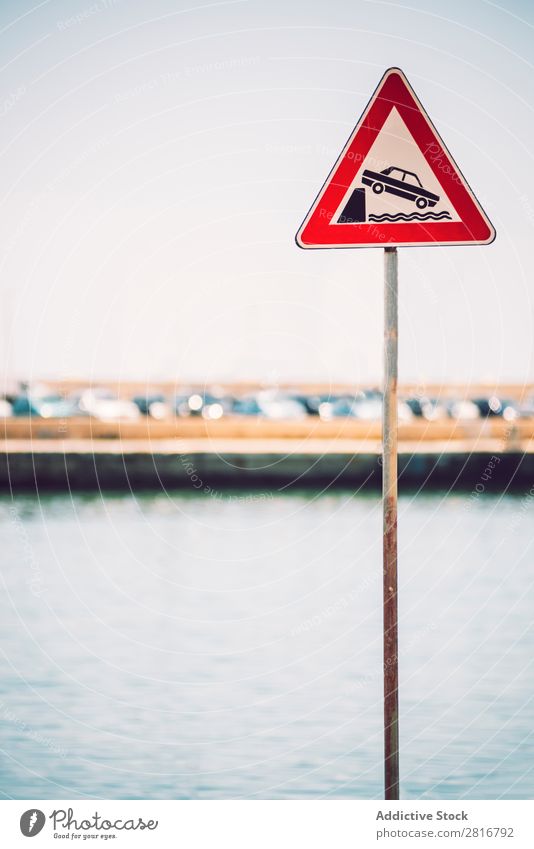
(404, 184)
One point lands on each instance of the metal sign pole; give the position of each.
(389, 494)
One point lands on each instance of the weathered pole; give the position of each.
(389, 494)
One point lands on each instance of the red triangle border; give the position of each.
(475, 227)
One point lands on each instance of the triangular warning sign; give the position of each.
(395, 183)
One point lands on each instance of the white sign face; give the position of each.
(397, 195)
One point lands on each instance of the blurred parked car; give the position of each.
(6, 409)
(269, 406)
(494, 406)
(208, 404)
(427, 408)
(364, 409)
(103, 404)
(312, 403)
(44, 406)
(340, 405)
(465, 410)
(180, 406)
(145, 402)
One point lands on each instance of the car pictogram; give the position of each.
(404, 184)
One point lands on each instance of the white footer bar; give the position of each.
(269, 825)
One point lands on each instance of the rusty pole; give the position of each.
(389, 494)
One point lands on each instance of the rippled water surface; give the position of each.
(179, 646)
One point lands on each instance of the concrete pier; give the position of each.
(204, 466)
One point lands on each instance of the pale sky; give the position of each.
(158, 158)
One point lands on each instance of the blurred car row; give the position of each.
(275, 405)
